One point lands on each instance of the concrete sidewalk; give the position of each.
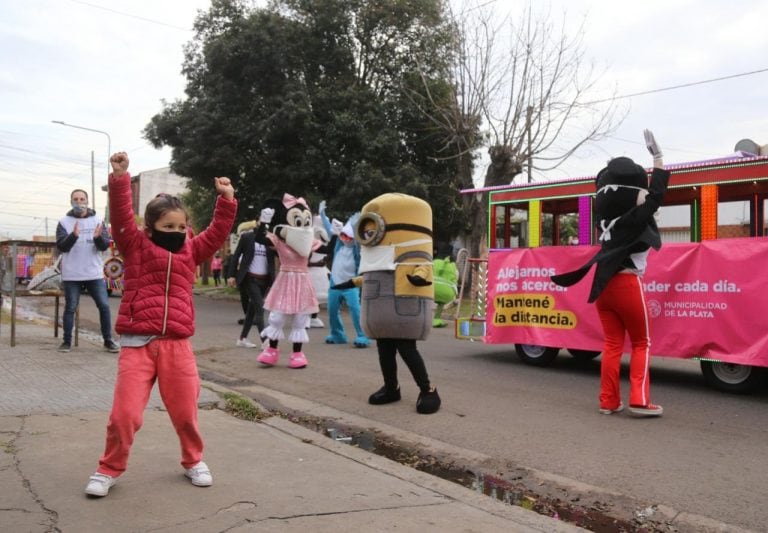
(272, 475)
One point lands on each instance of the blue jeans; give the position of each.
(98, 291)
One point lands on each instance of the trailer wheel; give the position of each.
(534, 355)
(583, 355)
(730, 377)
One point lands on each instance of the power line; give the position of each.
(45, 155)
(17, 215)
(681, 86)
(16, 202)
(666, 148)
(152, 21)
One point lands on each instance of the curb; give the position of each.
(680, 521)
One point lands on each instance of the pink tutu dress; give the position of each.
(292, 292)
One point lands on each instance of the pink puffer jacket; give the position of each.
(157, 294)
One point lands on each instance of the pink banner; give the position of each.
(705, 300)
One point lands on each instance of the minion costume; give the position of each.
(625, 204)
(395, 234)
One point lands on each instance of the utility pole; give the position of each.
(93, 183)
(109, 150)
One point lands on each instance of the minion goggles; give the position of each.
(371, 228)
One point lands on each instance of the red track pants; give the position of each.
(622, 311)
(172, 363)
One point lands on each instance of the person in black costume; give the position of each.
(625, 204)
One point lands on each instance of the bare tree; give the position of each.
(538, 89)
(527, 100)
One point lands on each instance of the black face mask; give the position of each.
(170, 240)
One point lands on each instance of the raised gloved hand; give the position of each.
(652, 145)
(321, 208)
(266, 215)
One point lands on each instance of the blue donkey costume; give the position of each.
(345, 265)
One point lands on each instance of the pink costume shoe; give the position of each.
(269, 356)
(298, 360)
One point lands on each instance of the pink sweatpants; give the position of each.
(172, 363)
(622, 311)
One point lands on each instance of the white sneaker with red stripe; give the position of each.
(646, 410)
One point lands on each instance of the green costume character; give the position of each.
(446, 276)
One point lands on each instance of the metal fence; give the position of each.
(20, 262)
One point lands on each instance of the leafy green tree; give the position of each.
(316, 98)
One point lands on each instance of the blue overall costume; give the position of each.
(345, 265)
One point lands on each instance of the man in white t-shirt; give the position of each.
(80, 237)
(252, 270)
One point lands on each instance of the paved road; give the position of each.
(273, 475)
(704, 458)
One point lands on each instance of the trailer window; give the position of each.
(765, 218)
(547, 229)
(511, 227)
(732, 219)
(674, 223)
(568, 228)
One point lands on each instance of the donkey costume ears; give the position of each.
(349, 227)
(336, 226)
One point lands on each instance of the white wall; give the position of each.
(161, 180)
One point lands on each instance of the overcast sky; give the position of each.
(108, 64)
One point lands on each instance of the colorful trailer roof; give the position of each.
(739, 166)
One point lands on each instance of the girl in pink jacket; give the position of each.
(156, 320)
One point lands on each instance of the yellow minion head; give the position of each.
(394, 218)
(403, 224)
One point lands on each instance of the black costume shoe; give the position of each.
(428, 402)
(384, 395)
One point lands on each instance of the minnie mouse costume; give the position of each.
(292, 294)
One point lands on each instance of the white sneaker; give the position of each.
(99, 484)
(245, 343)
(316, 323)
(200, 475)
(605, 411)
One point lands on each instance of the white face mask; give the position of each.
(299, 239)
(79, 208)
(382, 257)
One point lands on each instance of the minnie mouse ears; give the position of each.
(272, 203)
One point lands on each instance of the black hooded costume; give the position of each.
(624, 207)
